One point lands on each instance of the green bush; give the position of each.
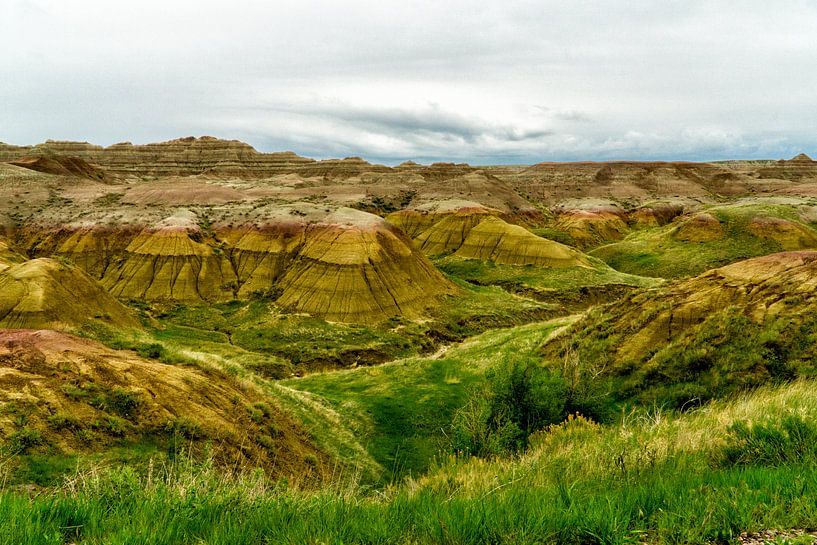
(153, 351)
(520, 398)
(24, 439)
(793, 440)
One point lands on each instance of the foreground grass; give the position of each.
(654, 477)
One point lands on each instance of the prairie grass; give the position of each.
(654, 477)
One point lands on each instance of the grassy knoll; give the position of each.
(404, 409)
(572, 287)
(682, 249)
(655, 477)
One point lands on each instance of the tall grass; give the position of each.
(654, 477)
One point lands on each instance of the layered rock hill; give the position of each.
(61, 165)
(44, 293)
(343, 264)
(730, 327)
(337, 263)
(188, 156)
(471, 231)
(799, 168)
(80, 396)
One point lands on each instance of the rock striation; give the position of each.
(189, 156)
(338, 263)
(45, 293)
(343, 264)
(471, 231)
(764, 289)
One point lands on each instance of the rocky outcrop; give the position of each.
(190, 156)
(44, 293)
(337, 263)
(798, 169)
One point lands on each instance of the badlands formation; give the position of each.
(151, 292)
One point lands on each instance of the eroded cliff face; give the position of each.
(337, 263)
(186, 157)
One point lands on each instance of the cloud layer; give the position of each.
(477, 81)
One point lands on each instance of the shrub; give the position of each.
(520, 398)
(152, 351)
(793, 440)
(23, 439)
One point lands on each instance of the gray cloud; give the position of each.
(517, 81)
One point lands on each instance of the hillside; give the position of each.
(727, 330)
(340, 351)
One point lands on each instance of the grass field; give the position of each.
(656, 252)
(654, 477)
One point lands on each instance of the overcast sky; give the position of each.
(478, 81)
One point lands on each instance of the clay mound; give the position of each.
(670, 335)
(62, 165)
(701, 227)
(70, 385)
(44, 293)
(169, 261)
(495, 240)
(592, 226)
(789, 235)
(413, 221)
(8, 257)
(182, 192)
(343, 265)
(654, 215)
(802, 158)
(93, 246)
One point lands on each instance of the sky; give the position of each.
(484, 82)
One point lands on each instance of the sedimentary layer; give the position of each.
(45, 293)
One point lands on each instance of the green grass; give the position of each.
(725, 354)
(574, 286)
(656, 253)
(654, 477)
(259, 337)
(404, 409)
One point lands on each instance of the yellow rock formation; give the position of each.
(165, 262)
(344, 265)
(495, 240)
(44, 293)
